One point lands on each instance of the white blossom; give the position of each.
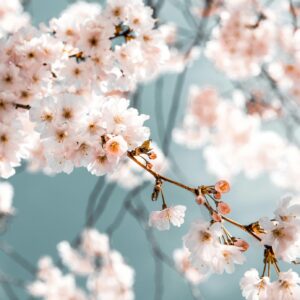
(254, 287)
(162, 219)
(6, 198)
(287, 287)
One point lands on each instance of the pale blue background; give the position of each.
(52, 209)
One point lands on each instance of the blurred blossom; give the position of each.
(105, 271)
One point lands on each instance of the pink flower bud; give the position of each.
(224, 208)
(241, 244)
(152, 155)
(216, 217)
(217, 195)
(222, 186)
(200, 199)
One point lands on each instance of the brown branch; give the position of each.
(195, 191)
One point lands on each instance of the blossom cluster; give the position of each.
(182, 261)
(210, 248)
(202, 245)
(283, 231)
(210, 122)
(75, 75)
(12, 17)
(281, 234)
(106, 273)
(64, 90)
(161, 219)
(255, 287)
(230, 48)
(208, 254)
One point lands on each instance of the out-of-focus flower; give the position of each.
(249, 143)
(106, 274)
(230, 48)
(12, 17)
(183, 264)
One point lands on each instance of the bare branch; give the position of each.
(18, 258)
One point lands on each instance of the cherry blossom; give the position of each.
(282, 233)
(287, 286)
(73, 77)
(207, 253)
(94, 243)
(181, 258)
(114, 281)
(12, 17)
(260, 288)
(6, 197)
(225, 258)
(162, 219)
(254, 287)
(64, 104)
(230, 48)
(220, 137)
(105, 271)
(52, 284)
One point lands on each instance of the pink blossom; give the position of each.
(162, 219)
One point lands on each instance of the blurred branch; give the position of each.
(155, 6)
(18, 258)
(159, 280)
(103, 201)
(185, 10)
(294, 15)
(121, 214)
(173, 111)
(93, 196)
(26, 4)
(12, 280)
(9, 291)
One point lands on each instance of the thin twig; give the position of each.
(158, 176)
